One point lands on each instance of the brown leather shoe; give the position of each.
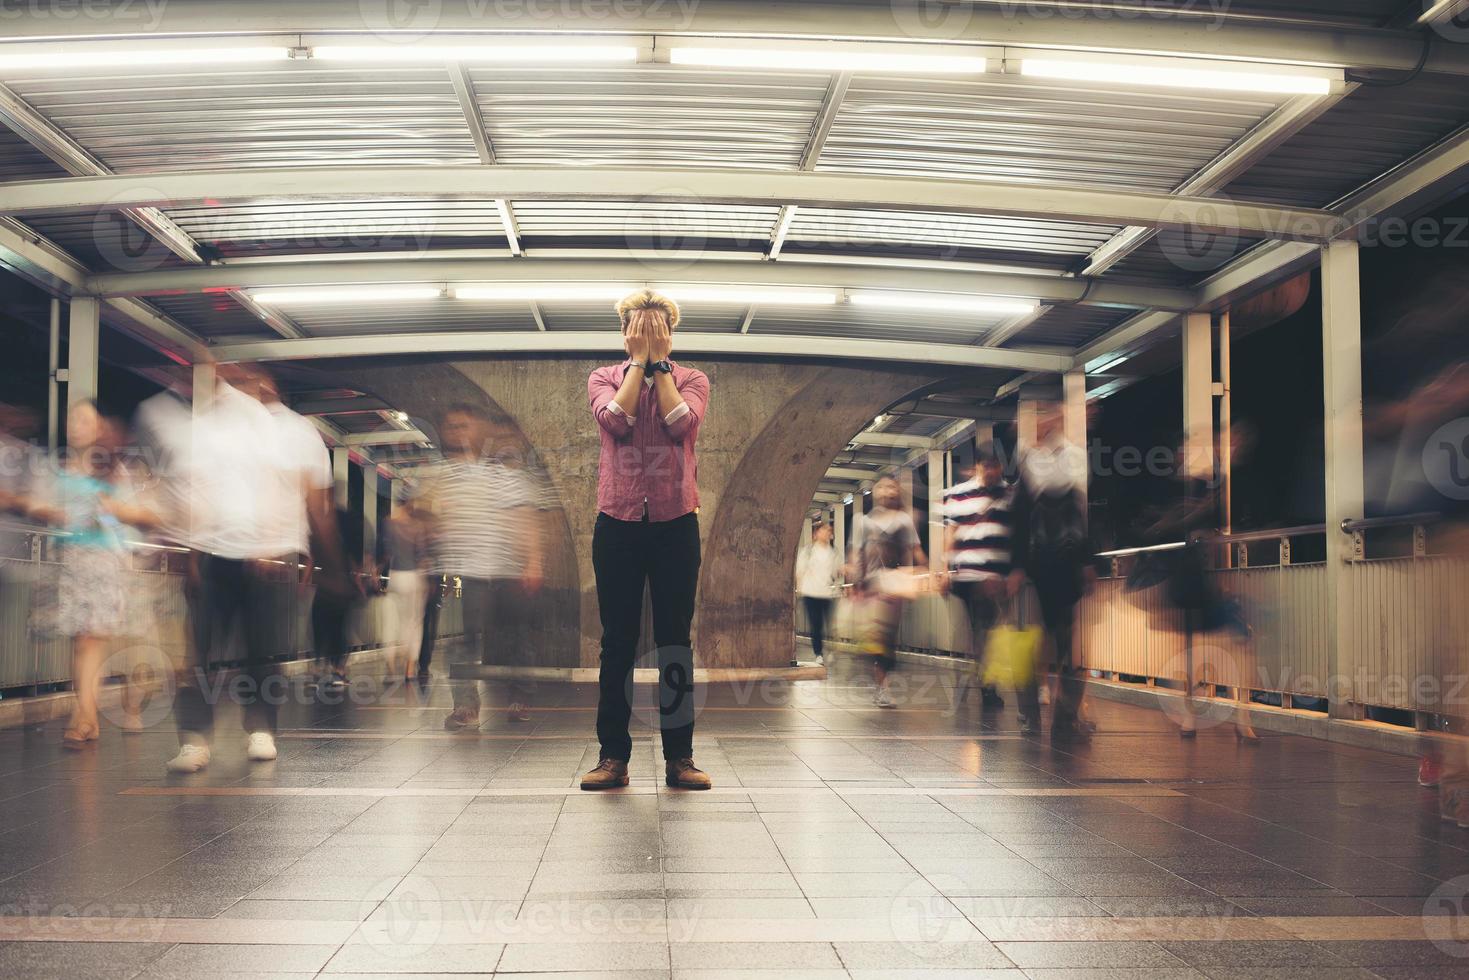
(609, 774)
(681, 773)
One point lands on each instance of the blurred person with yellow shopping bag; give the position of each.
(978, 519)
(887, 560)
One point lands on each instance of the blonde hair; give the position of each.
(647, 299)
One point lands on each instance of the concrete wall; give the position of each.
(770, 432)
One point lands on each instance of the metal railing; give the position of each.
(1408, 625)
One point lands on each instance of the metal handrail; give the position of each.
(1405, 520)
(1270, 534)
(1128, 552)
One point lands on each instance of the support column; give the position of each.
(83, 335)
(936, 468)
(1198, 395)
(53, 386)
(1226, 438)
(1026, 411)
(341, 468)
(984, 434)
(1341, 347)
(1073, 408)
(369, 511)
(839, 530)
(202, 389)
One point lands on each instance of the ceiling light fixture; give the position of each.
(346, 294)
(496, 53)
(751, 295)
(1212, 76)
(85, 58)
(813, 58)
(533, 292)
(949, 302)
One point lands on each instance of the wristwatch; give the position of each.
(662, 367)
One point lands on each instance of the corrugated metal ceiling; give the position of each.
(290, 114)
(648, 116)
(1008, 127)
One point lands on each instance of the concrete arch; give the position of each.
(424, 389)
(745, 589)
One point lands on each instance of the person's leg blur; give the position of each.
(433, 603)
(406, 589)
(817, 614)
(470, 651)
(193, 709)
(673, 577)
(619, 558)
(1058, 614)
(256, 610)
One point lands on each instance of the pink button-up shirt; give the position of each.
(647, 459)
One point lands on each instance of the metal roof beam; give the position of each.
(761, 188)
(40, 261)
(368, 272)
(579, 342)
(1261, 141)
(1218, 33)
(1438, 172)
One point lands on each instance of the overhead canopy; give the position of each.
(963, 186)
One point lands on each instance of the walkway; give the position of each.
(840, 840)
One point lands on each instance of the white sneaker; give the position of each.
(884, 699)
(191, 758)
(261, 747)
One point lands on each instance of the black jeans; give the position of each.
(227, 593)
(665, 555)
(983, 611)
(495, 620)
(818, 614)
(432, 603)
(329, 614)
(1058, 616)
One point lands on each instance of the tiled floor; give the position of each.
(840, 840)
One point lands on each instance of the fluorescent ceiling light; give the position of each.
(751, 295)
(346, 294)
(1154, 73)
(499, 52)
(80, 57)
(954, 302)
(826, 59)
(532, 292)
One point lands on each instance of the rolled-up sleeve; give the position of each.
(601, 390)
(695, 393)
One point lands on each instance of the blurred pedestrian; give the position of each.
(818, 579)
(407, 591)
(648, 410)
(1051, 546)
(260, 482)
(86, 495)
(888, 558)
(481, 505)
(978, 523)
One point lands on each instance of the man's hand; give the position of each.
(636, 343)
(532, 578)
(660, 344)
